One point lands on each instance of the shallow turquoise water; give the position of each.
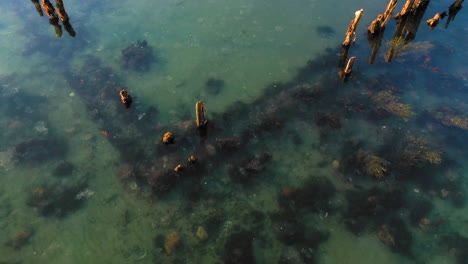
(283, 174)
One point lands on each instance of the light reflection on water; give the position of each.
(295, 165)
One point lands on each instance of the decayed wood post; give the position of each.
(404, 9)
(200, 115)
(349, 66)
(382, 19)
(377, 27)
(60, 8)
(433, 22)
(344, 74)
(352, 27)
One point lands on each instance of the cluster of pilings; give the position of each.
(408, 21)
(54, 15)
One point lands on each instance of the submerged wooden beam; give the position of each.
(352, 27)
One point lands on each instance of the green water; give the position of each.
(306, 197)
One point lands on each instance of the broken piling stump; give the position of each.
(379, 23)
(168, 138)
(200, 115)
(48, 9)
(433, 22)
(375, 31)
(125, 98)
(60, 8)
(348, 69)
(351, 32)
(404, 10)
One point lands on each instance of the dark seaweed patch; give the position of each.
(238, 249)
(39, 150)
(214, 86)
(325, 31)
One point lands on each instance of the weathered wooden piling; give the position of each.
(379, 23)
(434, 21)
(352, 27)
(348, 69)
(200, 115)
(404, 10)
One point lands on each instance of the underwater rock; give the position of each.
(125, 98)
(171, 242)
(138, 56)
(65, 168)
(214, 86)
(248, 168)
(238, 249)
(202, 235)
(39, 150)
